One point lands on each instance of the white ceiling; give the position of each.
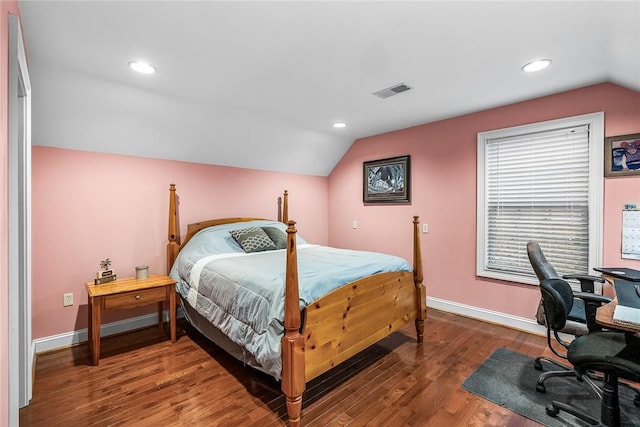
(258, 84)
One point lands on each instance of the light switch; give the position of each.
(355, 224)
(425, 228)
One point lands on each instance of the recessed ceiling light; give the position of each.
(339, 125)
(142, 67)
(537, 65)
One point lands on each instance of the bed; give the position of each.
(230, 283)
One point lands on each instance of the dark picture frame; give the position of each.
(386, 180)
(622, 155)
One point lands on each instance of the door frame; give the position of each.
(20, 358)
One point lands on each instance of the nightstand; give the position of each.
(128, 293)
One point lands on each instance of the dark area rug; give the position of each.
(509, 379)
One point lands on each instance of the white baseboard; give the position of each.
(508, 320)
(68, 339)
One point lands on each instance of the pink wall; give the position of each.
(88, 206)
(443, 163)
(6, 7)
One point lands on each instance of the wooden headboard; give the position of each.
(174, 245)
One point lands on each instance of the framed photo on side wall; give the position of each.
(622, 155)
(386, 180)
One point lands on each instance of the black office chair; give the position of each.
(580, 321)
(614, 354)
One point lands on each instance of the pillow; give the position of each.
(253, 239)
(278, 236)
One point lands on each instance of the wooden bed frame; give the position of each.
(340, 324)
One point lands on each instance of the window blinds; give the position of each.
(537, 188)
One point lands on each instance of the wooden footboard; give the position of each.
(354, 317)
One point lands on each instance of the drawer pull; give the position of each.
(137, 296)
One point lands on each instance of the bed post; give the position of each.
(173, 245)
(285, 214)
(421, 294)
(292, 343)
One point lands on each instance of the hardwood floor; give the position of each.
(143, 380)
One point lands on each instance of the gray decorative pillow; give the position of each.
(278, 236)
(253, 239)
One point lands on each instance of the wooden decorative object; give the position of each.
(338, 325)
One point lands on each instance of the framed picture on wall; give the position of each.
(622, 155)
(386, 180)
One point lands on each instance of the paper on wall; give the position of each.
(631, 231)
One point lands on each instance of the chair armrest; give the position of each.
(586, 281)
(591, 303)
(588, 297)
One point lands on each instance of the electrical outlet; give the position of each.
(425, 228)
(67, 299)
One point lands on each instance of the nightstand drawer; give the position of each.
(135, 298)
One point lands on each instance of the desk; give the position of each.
(621, 273)
(128, 293)
(604, 317)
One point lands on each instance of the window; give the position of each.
(540, 182)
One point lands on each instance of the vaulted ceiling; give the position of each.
(259, 84)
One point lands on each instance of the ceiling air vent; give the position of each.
(393, 90)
